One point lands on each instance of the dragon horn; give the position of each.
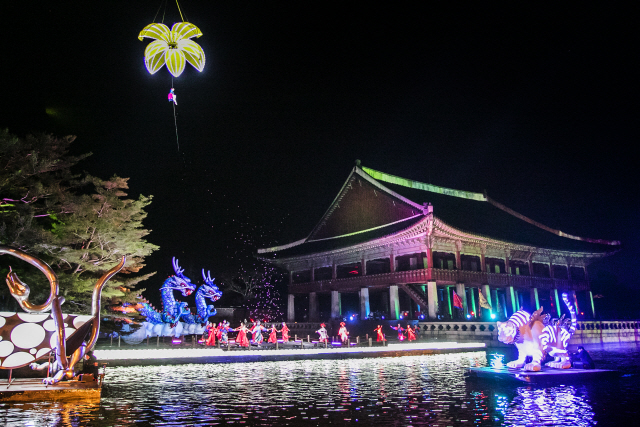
(176, 266)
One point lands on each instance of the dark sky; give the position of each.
(536, 104)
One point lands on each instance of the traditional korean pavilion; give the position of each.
(407, 249)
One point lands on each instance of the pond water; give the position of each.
(402, 391)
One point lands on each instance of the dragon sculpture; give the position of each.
(62, 366)
(204, 311)
(536, 336)
(172, 310)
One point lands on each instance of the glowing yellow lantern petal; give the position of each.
(175, 61)
(193, 53)
(186, 30)
(155, 31)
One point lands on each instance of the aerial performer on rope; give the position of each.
(273, 338)
(344, 334)
(257, 333)
(400, 330)
(242, 339)
(174, 48)
(285, 332)
(324, 336)
(380, 334)
(411, 333)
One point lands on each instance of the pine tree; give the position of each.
(79, 224)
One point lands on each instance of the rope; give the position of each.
(177, 3)
(158, 11)
(175, 121)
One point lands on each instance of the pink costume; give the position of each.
(380, 334)
(285, 332)
(272, 336)
(242, 339)
(212, 330)
(411, 333)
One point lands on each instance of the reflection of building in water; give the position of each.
(557, 406)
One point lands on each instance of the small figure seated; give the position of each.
(90, 368)
(582, 359)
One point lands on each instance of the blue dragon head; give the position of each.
(209, 288)
(180, 282)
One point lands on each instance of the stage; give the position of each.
(32, 389)
(217, 355)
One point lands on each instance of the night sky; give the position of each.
(536, 105)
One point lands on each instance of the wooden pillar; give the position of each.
(313, 307)
(530, 267)
(429, 258)
(392, 262)
(569, 271)
(394, 302)
(458, 260)
(334, 271)
(483, 263)
(364, 303)
(312, 274)
(290, 277)
(291, 313)
(432, 298)
(364, 266)
(507, 267)
(551, 269)
(335, 304)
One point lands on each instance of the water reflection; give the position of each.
(406, 391)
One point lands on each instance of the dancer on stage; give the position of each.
(257, 332)
(380, 334)
(285, 333)
(273, 338)
(344, 334)
(411, 333)
(400, 330)
(224, 330)
(212, 331)
(324, 336)
(242, 339)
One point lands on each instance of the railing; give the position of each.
(474, 278)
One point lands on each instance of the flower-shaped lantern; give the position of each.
(172, 47)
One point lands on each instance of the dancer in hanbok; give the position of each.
(285, 333)
(380, 334)
(344, 334)
(324, 336)
(273, 338)
(224, 330)
(257, 332)
(242, 339)
(212, 331)
(411, 334)
(400, 330)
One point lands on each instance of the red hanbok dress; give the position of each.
(411, 334)
(242, 339)
(380, 334)
(211, 339)
(272, 336)
(285, 333)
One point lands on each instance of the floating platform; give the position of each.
(545, 375)
(216, 355)
(32, 389)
